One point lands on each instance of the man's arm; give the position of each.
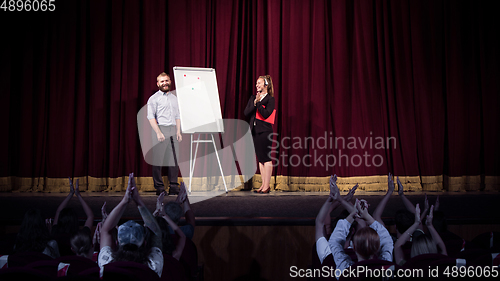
(157, 130)
(178, 127)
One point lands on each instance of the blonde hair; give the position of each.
(269, 83)
(423, 244)
(163, 74)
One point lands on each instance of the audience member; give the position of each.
(323, 220)
(81, 243)
(166, 223)
(371, 240)
(131, 235)
(34, 236)
(377, 214)
(409, 206)
(422, 244)
(96, 240)
(66, 220)
(175, 209)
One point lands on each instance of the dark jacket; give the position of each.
(265, 108)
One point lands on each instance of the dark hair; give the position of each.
(366, 242)
(33, 235)
(173, 211)
(130, 252)
(81, 242)
(404, 219)
(166, 239)
(67, 222)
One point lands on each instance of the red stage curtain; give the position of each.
(423, 73)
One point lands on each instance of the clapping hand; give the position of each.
(426, 204)
(417, 214)
(182, 194)
(159, 205)
(400, 187)
(130, 188)
(348, 197)
(104, 214)
(77, 187)
(71, 188)
(430, 216)
(334, 190)
(362, 208)
(390, 184)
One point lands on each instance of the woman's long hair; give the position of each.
(268, 81)
(33, 235)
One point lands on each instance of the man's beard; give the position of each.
(164, 88)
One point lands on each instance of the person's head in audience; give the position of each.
(174, 211)
(81, 243)
(423, 244)
(68, 222)
(166, 238)
(131, 243)
(366, 243)
(33, 235)
(403, 220)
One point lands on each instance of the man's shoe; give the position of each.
(173, 190)
(159, 191)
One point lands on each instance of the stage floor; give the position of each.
(248, 208)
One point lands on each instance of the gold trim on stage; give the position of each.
(278, 183)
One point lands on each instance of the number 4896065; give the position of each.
(28, 5)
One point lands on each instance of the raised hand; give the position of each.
(71, 188)
(77, 187)
(104, 214)
(362, 208)
(430, 216)
(334, 190)
(159, 205)
(130, 187)
(417, 214)
(348, 197)
(436, 205)
(426, 203)
(97, 234)
(182, 194)
(400, 187)
(390, 184)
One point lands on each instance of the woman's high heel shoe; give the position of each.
(267, 191)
